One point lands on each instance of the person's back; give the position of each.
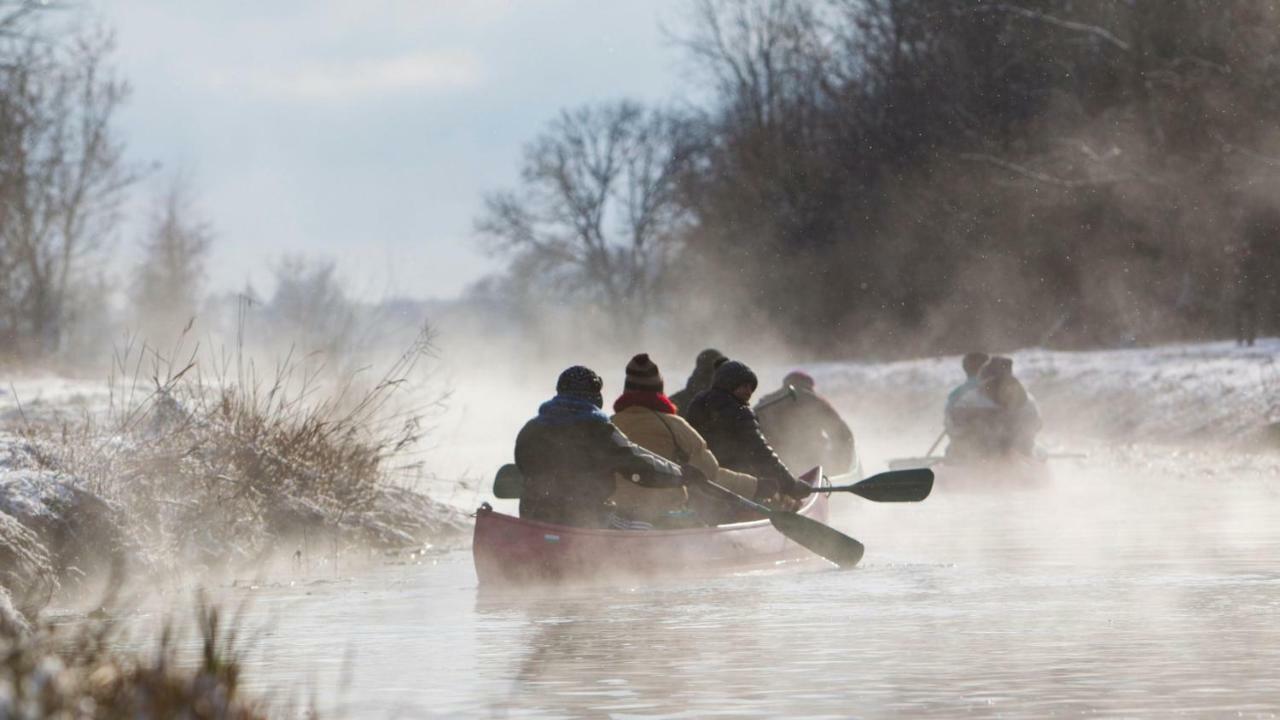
(1019, 413)
(638, 414)
(570, 453)
(1015, 417)
(704, 370)
(804, 429)
(725, 420)
(968, 415)
(648, 418)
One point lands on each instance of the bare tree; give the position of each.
(62, 178)
(596, 213)
(167, 282)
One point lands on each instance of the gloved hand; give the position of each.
(692, 475)
(799, 490)
(765, 489)
(787, 503)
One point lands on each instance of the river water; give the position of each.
(1142, 583)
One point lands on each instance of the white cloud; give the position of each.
(416, 72)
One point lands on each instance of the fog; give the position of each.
(859, 190)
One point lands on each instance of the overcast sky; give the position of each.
(366, 131)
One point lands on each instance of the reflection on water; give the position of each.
(1143, 598)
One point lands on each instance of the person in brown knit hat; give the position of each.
(644, 386)
(648, 419)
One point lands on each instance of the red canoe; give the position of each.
(511, 551)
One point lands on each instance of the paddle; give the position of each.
(894, 486)
(937, 442)
(822, 540)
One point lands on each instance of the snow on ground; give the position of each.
(48, 398)
(1173, 394)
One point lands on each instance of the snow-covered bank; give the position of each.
(198, 501)
(1175, 393)
(96, 488)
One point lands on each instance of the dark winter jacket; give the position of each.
(806, 431)
(569, 455)
(733, 434)
(699, 380)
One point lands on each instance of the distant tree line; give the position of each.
(899, 176)
(64, 180)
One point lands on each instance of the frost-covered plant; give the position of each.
(218, 465)
(72, 671)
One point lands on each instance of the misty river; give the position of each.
(1142, 583)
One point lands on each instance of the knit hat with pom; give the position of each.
(643, 375)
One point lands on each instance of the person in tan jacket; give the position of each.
(648, 418)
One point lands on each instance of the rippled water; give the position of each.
(1143, 592)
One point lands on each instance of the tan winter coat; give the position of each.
(660, 434)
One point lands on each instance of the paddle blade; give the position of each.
(896, 486)
(822, 540)
(509, 483)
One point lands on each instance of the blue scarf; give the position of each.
(568, 410)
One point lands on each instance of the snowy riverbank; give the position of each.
(1211, 392)
(191, 481)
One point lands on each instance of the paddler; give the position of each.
(724, 417)
(1017, 421)
(648, 418)
(968, 415)
(804, 428)
(572, 458)
(704, 369)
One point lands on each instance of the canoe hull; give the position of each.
(510, 551)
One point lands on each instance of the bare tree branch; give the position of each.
(1036, 175)
(1092, 30)
(596, 209)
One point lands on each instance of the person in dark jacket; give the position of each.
(723, 416)
(704, 370)
(998, 420)
(804, 428)
(571, 455)
(1018, 418)
(966, 415)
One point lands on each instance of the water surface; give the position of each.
(1139, 585)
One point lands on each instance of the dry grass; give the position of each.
(74, 672)
(212, 463)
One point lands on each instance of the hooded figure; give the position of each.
(571, 456)
(1017, 419)
(998, 418)
(803, 427)
(704, 370)
(645, 415)
(958, 413)
(723, 416)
